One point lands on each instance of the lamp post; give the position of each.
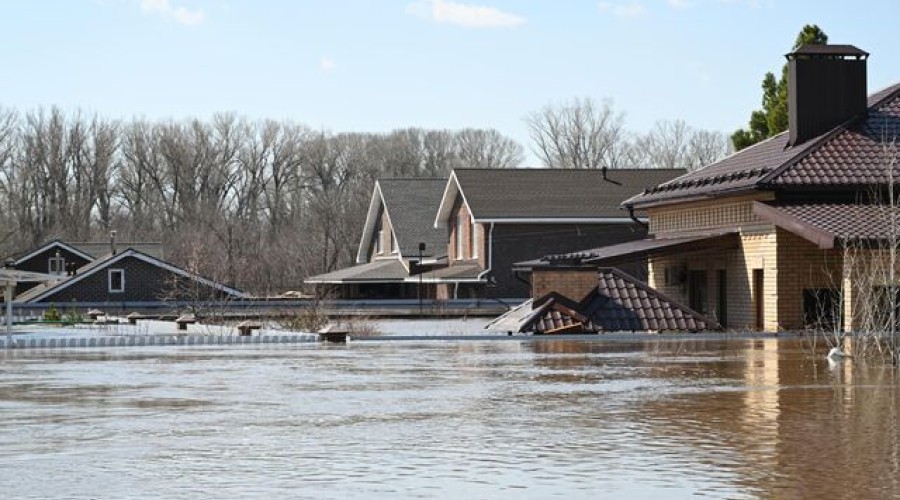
(419, 265)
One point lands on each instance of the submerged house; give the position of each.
(398, 242)
(763, 239)
(494, 218)
(127, 276)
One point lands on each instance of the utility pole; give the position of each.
(419, 265)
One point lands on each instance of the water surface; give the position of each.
(515, 419)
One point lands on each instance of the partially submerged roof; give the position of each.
(377, 271)
(410, 204)
(552, 195)
(618, 303)
(90, 250)
(854, 154)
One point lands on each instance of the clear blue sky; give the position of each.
(356, 65)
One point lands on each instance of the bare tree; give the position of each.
(487, 149)
(579, 134)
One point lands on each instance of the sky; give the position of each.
(378, 65)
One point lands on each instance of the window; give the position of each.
(698, 291)
(459, 235)
(822, 308)
(56, 265)
(475, 240)
(116, 280)
(378, 239)
(722, 299)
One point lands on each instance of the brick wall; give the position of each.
(802, 265)
(574, 283)
(704, 215)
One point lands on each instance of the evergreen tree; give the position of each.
(772, 119)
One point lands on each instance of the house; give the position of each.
(761, 239)
(494, 218)
(128, 276)
(398, 241)
(60, 258)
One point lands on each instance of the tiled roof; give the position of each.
(378, 271)
(830, 223)
(619, 302)
(554, 193)
(849, 154)
(411, 205)
(632, 250)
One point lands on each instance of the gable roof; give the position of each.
(378, 271)
(542, 194)
(410, 204)
(619, 302)
(849, 155)
(30, 254)
(42, 291)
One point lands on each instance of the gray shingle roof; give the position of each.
(411, 205)
(378, 271)
(554, 193)
(848, 155)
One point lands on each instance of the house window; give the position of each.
(459, 235)
(378, 248)
(116, 280)
(822, 308)
(475, 240)
(56, 265)
(698, 291)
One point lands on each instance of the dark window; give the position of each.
(758, 300)
(722, 298)
(698, 291)
(116, 280)
(57, 265)
(821, 308)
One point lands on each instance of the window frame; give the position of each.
(460, 247)
(109, 280)
(61, 268)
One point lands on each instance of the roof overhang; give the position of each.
(559, 220)
(821, 238)
(51, 244)
(379, 271)
(365, 241)
(445, 209)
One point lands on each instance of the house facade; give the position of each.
(128, 276)
(398, 243)
(762, 240)
(495, 218)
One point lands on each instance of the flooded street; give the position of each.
(469, 419)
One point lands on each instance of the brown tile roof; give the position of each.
(830, 224)
(633, 250)
(850, 154)
(619, 303)
(554, 193)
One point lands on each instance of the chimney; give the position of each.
(826, 87)
(112, 242)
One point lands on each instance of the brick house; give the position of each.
(128, 276)
(494, 218)
(758, 240)
(398, 222)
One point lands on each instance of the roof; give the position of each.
(633, 250)
(829, 50)
(510, 195)
(90, 250)
(849, 155)
(459, 273)
(619, 302)
(12, 276)
(831, 224)
(29, 254)
(378, 271)
(410, 204)
(48, 288)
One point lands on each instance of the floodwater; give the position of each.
(468, 419)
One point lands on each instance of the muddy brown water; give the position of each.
(468, 419)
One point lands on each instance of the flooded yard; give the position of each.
(521, 418)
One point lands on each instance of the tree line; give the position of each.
(262, 204)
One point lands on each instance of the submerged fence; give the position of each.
(155, 340)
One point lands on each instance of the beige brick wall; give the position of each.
(757, 251)
(802, 265)
(574, 283)
(705, 215)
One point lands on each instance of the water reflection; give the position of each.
(530, 419)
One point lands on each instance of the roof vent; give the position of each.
(826, 87)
